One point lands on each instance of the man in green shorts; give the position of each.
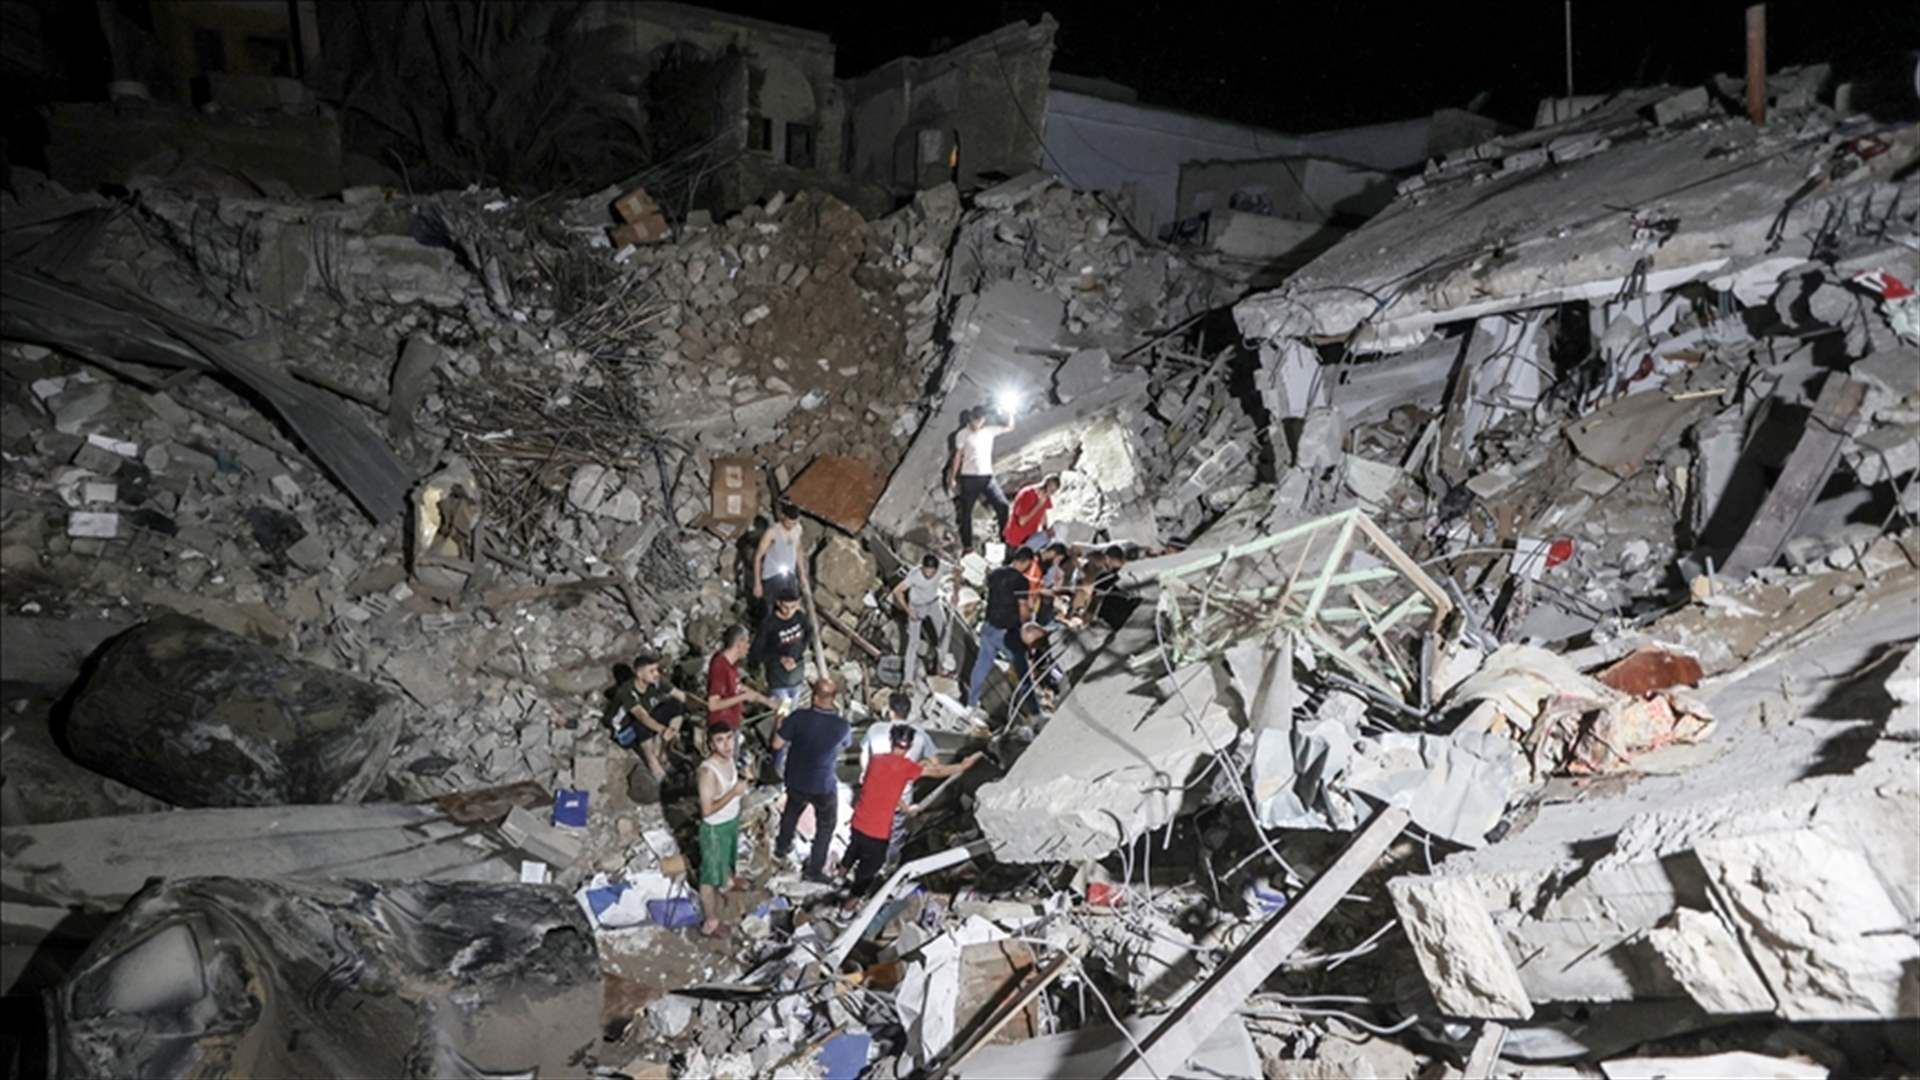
(722, 789)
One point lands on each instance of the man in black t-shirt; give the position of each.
(1007, 611)
(781, 648)
(644, 707)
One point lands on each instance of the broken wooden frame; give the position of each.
(1369, 612)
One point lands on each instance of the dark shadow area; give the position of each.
(1861, 694)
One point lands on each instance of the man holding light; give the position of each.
(970, 476)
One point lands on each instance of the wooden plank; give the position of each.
(1017, 1004)
(1175, 1040)
(1806, 472)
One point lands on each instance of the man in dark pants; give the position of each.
(888, 777)
(813, 738)
(1007, 611)
(970, 475)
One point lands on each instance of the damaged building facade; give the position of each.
(1480, 645)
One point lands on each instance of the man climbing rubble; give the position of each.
(879, 741)
(970, 476)
(721, 789)
(646, 714)
(919, 595)
(781, 647)
(1007, 611)
(813, 738)
(777, 567)
(1026, 524)
(725, 695)
(888, 778)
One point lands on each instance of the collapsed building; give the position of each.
(1504, 666)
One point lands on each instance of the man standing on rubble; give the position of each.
(1007, 612)
(646, 707)
(970, 476)
(777, 566)
(888, 777)
(725, 695)
(781, 647)
(1026, 524)
(879, 741)
(722, 790)
(813, 738)
(919, 595)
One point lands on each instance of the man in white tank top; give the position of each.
(777, 564)
(721, 790)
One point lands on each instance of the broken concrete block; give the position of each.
(1109, 766)
(1706, 959)
(77, 405)
(93, 524)
(1818, 923)
(540, 839)
(1011, 193)
(1086, 371)
(310, 552)
(1682, 106)
(765, 413)
(842, 568)
(202, 717)
(1462, 955)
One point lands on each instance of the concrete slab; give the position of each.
(1108, 767)
(100, 862)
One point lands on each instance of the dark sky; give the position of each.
(1308, 66)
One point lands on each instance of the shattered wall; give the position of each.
(982, 101)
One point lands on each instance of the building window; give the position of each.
(760, 134)
(209, 50)
(269, 55)
(800, 146)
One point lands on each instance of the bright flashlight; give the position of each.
(1008, 401)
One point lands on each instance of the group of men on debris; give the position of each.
(1041, 585)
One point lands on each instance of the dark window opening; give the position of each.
(209, 50)
(800, 146)
(760, 134)
(273, 55)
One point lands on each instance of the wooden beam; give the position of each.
(1166, 1050)
(1805, 473)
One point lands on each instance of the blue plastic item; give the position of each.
(675, 913)
(570, 808)
(844, 1056)
(604, 897)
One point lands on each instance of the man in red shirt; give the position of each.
(1027, 522)
(887, 777)
(725, 695)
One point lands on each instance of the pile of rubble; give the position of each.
(1519, 600)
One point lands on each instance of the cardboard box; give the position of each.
(735, 494)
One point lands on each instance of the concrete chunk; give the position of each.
(1462, 955)
(1108, 767)
(1706, 959)
(539, 839)
(1819, 925)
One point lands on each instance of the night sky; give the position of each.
(1302, 67)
